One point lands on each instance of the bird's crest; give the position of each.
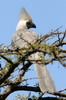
(25, 15)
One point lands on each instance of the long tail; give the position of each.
(44, 78)
(45, 81)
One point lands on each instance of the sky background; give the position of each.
(47, 14)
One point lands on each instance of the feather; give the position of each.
(24, 15)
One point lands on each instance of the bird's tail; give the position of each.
(44, 78)
(45, 81)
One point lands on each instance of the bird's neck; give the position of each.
(21, 25)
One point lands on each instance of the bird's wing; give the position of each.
(22, 37)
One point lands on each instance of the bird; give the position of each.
(21, 38)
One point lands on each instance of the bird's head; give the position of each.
(25, 21)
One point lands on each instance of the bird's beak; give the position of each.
(33, 25)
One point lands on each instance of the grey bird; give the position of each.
(21, 38)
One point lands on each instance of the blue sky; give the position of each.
(47, 15)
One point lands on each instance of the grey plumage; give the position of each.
(20, 37)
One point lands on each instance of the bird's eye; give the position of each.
(28, 23)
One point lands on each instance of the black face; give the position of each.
(30, 25)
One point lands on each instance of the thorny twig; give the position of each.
(13, 65)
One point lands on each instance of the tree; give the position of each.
(16, 61)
